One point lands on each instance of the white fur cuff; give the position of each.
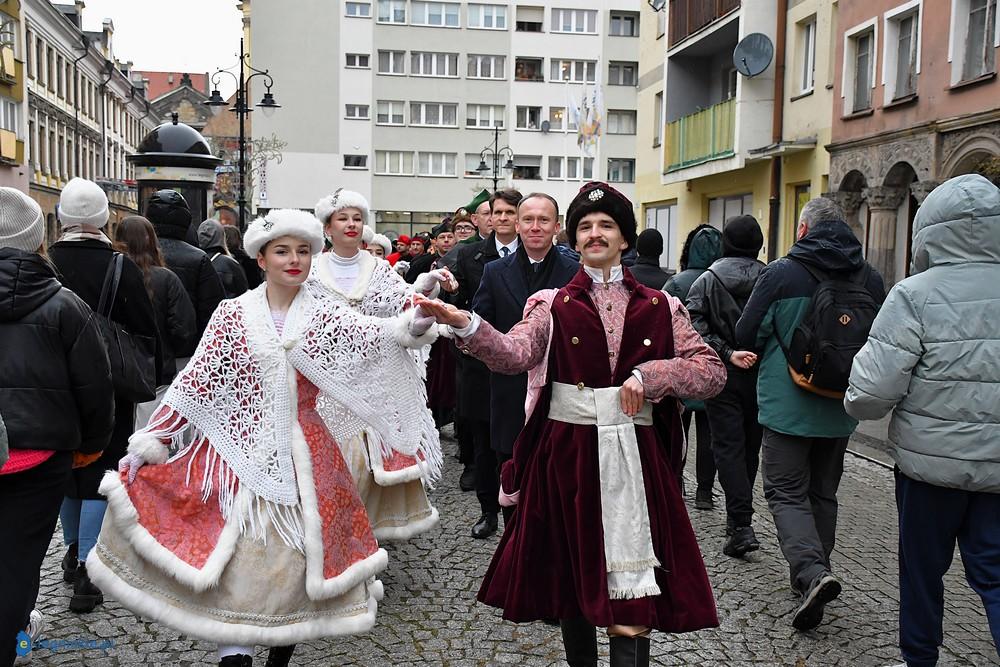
(148, 447)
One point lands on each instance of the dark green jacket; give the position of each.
(706, 247)
(777, 306)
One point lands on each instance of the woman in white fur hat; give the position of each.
(392, 487)
(252, 531)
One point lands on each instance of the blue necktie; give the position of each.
(504, 251)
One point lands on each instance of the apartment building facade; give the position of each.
(916, 102)
(13, 172)
(84, 112)
(404, 96)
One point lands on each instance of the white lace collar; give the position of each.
(597, 275)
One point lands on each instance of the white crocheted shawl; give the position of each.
(235, 394)
(379, 291)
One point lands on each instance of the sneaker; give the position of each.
(703, 499)
(36, 623)
(824, 589)
(69, 563)
(742, 540)
(86, 596)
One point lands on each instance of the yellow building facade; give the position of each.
(706, 142)
(12, 170)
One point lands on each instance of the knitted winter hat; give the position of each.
(383, 241)
(649, 243)
(283, 222)
(367, 234)
(339, 200)
(83, 202)
(742, 237)
(21, 223)
(601, 197)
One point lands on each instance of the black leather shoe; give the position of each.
(486, 526)
(580, 641)
(629, 651)
(238, 660)
(279, 656)
(467, 482)
(86, 596)
(69, 563)
(742, 540)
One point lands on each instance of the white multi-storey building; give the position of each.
(398, 99)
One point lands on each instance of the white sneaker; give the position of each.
(36, 623)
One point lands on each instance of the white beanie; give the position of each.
(339, 200)
(21, 224)
(283, 222)
(83, 202)
(382, 240)
(367, 234)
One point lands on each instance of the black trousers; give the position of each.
(463, 434)
(704, 464)
(29, 507)
(736, 436)
(487, 477)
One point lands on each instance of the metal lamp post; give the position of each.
(242, 110)
(495, 153)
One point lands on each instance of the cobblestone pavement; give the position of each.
(430, 616)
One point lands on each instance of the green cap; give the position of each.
(471, 207)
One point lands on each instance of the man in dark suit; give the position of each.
(473, 402)
(500, 300)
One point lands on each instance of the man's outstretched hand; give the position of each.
(442, 312)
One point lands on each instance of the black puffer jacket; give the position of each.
(717, 298)
(647, 271)
(212, 240)
(55, 378)
(175, 319)
(195, 270)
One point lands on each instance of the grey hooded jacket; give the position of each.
(933, 355)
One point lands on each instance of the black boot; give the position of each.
(279, 656)
(629, 652)
(238, 660)
(467, 480)
(86, 596)
(69, 563)
(580, 640)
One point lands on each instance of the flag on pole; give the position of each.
(590, 116)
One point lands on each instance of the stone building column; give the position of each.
(920, 190)
(850, 204)
(883, 205)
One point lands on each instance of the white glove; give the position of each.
(429, 283)
(131, 462)
(420, 323)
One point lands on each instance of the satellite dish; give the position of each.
(657, 5)
(545, 126)
(753, 54)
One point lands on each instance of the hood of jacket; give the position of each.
(26, 282)
(829, 246)
(706, 247)
(958, 223)
(738, 275)
(211, 235)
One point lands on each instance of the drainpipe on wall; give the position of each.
(777, 122)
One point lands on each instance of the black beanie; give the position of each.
(649, 243)
(601, 197)
(742, 237)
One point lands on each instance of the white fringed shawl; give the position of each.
(234, 396)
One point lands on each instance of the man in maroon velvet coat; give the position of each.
(600, 536)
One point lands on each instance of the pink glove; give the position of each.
(131, 463)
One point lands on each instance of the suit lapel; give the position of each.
(513, 280)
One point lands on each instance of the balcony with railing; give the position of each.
(699, 137)
(689, 16)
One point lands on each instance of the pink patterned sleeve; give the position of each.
(695, 371)
(515, 352)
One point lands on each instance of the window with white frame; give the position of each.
(528, 69)
(573, 168)
(557, 119)
(398, 163)
(807, 55)
(588, 168)
(529, 118)
(484, 115)
(439, 14)
(621, 121)
(624, 24)
(621, 170)
(721, 209)
(527, 167)
(622, 73)
(436, 164)
(664, 218)
(555, 168)
(574, 20)
(8, 115)
(392, 62)
(981, 37)
(860, 47)
(486, 67)
(356, 111)
(901, 56)
(425, 63)
(360, 9)
(573, 71)
(472, 164)
(389, 112)
(392, 11)
(355, 161)
(357, 61)
(491, 17)
(434, 114)
(657, 118)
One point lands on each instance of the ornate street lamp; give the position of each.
(495, 153)
(267, 105)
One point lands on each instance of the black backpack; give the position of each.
(834, 329)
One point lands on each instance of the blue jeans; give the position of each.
(81, 523)
(931, 519)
